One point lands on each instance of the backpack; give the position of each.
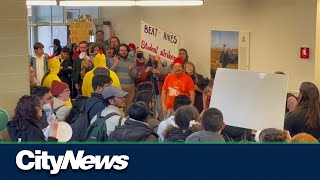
(80, 122)
(56, 109)
(97, 131)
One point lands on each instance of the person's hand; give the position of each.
(164, 111)
(288, 139)
(254, 132)
(53, 128)
(86, 63)
(116, 59)
(157, 58)
(46, 55)
(154, 71)
(148, 69)
(131, 67)
(77, 86)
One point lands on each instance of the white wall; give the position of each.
(193, 24)
(278, 29)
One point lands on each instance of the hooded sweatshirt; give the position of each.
(100, 67)
(205, 136)
(54, 68)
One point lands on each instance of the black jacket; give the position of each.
(31, 134)
(295, 123)
(94, 105)
(76, 78)
(133, 130)
(65, 73)
(176, 135)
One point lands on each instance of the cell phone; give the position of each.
(107, 23)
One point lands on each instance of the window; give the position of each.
(50, 22)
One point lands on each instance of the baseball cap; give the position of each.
(113, 91)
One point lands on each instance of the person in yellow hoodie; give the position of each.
(52, 74)
(100, 67)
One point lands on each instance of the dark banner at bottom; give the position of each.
(159, 161)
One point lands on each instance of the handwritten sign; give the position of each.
(155, 40)
(81, 30)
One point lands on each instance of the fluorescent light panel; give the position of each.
(97, 3)
(41, 3)
(170, 3)
(116, 3)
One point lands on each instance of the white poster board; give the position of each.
(155, 40)
(249, 99)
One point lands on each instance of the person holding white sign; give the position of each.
(183, 54)
(306, 116)
(177, 83)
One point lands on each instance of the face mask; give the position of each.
(139, 55)
(131, 53)
(47, 109)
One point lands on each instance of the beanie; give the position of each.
(178, 60)
(58, 87)
(131, 45)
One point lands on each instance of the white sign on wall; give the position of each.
(155, 40)
(249, 99)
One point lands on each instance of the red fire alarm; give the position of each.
(304, 52)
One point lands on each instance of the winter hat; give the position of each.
(58, 87)
(178, 60)
(131, 45)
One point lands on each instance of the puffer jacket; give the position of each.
(133, 130)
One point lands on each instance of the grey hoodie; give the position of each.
(205, 136)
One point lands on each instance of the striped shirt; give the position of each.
(122, 70)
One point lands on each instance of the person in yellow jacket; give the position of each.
(100, 67)
(52, 74)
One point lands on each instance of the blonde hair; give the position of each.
(196, 79)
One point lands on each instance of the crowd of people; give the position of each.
(111, 91)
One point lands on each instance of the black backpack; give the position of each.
(97, 131)
(80, 123)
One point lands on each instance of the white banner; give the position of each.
(155, 40)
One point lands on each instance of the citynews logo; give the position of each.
(40, 160)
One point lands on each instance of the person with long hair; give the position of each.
(183, 54)
(25, 124)
(306, 116)
(190, 70)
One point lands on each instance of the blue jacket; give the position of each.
(94, 105)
